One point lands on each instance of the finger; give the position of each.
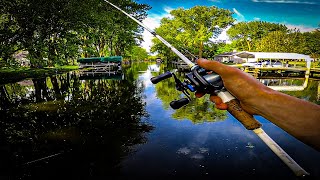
(199, 94)
(222, 106)
(216, 99)
(218, 103)
(211, 65)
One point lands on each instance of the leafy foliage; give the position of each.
(312, 40)
(246, 34)
(198, 111)
(192, 28)
(278, 41)
(137, 53)
(53, 31)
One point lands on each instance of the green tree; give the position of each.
(167, 30)
(113, 33)
(47, 28)
(278, 41)
(138, 53)
(223, 47)
(312, 43)
(8, 37)
(247, 34)
(192, 28)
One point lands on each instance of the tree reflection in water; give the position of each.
(198, 111)
(68, 125)
(79, 127)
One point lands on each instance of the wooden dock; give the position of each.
(101, 64)
(285, 72)
(281, 71)
(264, 71)
(109, 67)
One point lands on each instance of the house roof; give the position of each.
(227, 54)
(272, 55)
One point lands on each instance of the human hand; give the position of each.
(241, 85)
(298, 117)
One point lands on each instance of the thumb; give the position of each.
(211, 65)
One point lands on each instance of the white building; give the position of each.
(253, 57)
(229, 57)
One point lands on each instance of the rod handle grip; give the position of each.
(246, 119)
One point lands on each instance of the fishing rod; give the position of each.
(200, 79)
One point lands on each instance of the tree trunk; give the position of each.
(35, 56)
(111, 47)
(55, 85)
(6, 57)
(101, 47)
(249, 46)
(117, 51)
(4, 98)
(51, 55)
(200, 49)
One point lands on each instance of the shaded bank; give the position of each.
(11, 75)
(63, 125)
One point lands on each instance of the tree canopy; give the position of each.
(272, 37)
(246, 34)
(59, 31)
(55, 31)
(192, 28)
(278, 41)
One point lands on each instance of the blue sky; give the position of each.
(302, 14)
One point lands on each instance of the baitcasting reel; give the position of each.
(198, 79)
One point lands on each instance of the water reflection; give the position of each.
(282, 82)
(100, 125)
(296, 88)
(84, 75)
(83, 126)
(198, 111)
(154, 68)
(202, 149)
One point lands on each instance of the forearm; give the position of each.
(298, 117)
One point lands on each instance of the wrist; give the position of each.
(267, 102)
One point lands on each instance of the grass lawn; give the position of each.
(9, 75)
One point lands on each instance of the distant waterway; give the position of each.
(79, 126)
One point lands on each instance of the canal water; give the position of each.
(82, 125)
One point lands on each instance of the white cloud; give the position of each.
(168, 9)
(302, 28)
(152, 22)
(240, 17)
(223, 36)
(284, 1)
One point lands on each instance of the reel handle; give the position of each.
(161, 77)
(179, 103)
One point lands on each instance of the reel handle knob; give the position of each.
(179, 103)
(161, 77)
